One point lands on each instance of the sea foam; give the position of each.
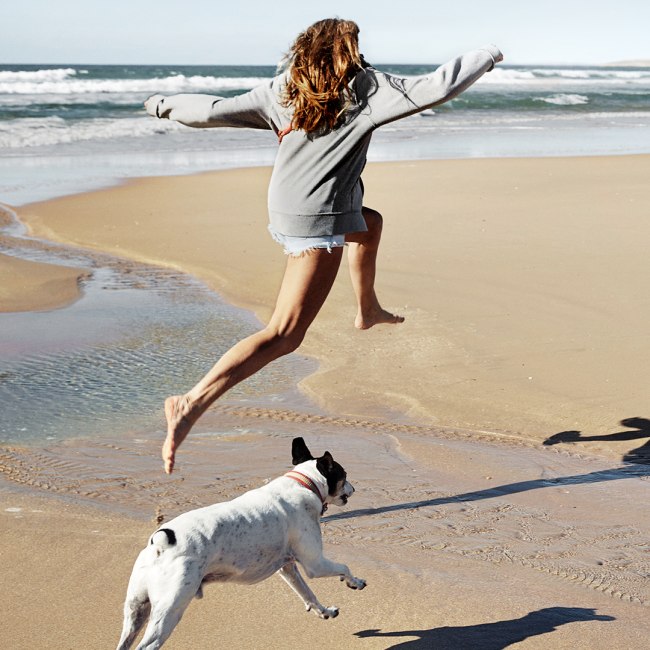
(564, 99)
(565, 76)
(36, 76)
(39, 132)
(64, 84)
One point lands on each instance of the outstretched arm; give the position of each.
(249, 110)
(396, 97)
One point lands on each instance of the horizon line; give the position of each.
(622, 63)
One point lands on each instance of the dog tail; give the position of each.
(163, 539)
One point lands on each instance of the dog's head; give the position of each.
(338, 487)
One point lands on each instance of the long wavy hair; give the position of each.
(320, 64)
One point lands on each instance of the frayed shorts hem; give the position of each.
(297, 246)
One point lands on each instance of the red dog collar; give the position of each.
(306, 482)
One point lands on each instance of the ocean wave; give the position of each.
(508, 75)
(173, 84)
(565, 76)
(591, 73)
(36, 76)
(564, 99)
(41, 132)
(562, 77)
(70, 82)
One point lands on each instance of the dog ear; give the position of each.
(299, 452)
(325, 463)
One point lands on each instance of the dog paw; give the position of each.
(329, 612)
(356, 583)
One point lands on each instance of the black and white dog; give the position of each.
(245, 540)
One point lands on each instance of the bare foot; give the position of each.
(178, 426)
(377, 316)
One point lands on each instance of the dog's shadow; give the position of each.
(489, 636)
(636, 465)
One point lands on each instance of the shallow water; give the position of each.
(104, 364)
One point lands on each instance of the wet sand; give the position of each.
(465, 543)
(525, 299)
(33, 286)
(29, 285)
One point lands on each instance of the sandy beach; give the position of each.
(525, 299)
(520, 280)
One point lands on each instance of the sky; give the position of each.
(213, 32)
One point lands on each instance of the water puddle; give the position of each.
(104, 364)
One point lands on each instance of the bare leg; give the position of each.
(307, 282)
(362, 257)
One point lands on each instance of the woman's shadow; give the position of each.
(489, 636)
(641, 429)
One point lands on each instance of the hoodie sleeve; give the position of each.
(249, 110)
(397, 97)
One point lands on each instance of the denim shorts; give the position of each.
(296, 246)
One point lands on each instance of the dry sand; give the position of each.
(523, 286)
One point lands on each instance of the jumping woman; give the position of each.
(323, 107)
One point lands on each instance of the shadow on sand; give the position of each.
(489, 636)
(640, 429)
(637, 464)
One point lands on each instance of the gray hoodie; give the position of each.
(316, 184)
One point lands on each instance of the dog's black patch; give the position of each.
(326, 465)
(299, 452)
(171, 535)
(332, 471)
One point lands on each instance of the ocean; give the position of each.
(65, 128)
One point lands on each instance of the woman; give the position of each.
(324, 108)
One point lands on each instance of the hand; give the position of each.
(152, 103)
(497, 54)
